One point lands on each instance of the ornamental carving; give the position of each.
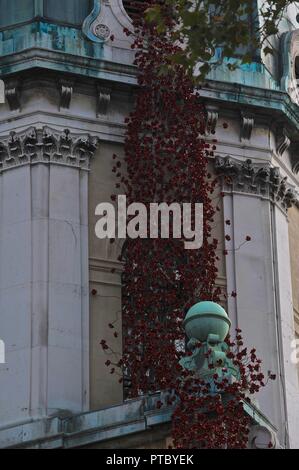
(255, 178)
(102, 31)
(94, 26)
(46, 145)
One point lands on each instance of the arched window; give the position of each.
(16, 11)
(67, 11)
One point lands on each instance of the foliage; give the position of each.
(240, 28)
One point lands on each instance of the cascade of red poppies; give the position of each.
(166, 159)
(210, 411)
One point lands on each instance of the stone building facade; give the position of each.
(68, 89)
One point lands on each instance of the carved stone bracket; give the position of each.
(294, 152)
(94, 26)
(12, 94)
(66, 93)
(212, 115)
(103, 100)
(254, 178)
(247, 124)
(283, 141)
(46, 145)
(295, 167)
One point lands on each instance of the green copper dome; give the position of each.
(207, 318)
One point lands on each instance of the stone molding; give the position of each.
(134, 418)
(46, 145)
(256, 178)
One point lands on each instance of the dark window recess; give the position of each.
(133, 7)
(67, 11)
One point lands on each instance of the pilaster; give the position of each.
(256, 200)
(44, 295)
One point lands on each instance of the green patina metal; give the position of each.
(48, 25)
(40, 32)
(48, 36)
(206, 318)
(207, 326)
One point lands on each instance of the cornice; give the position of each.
(71, 64)
(134, 419)
(248, 98)
(256, 100)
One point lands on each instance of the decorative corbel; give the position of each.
(94, 26)
(103, 100)
(247, 124)
(294, 152)
(212, 116)
(66, 93)
(283, 141)
(12, 94)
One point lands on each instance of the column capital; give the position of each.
(46, 145)
(260, 179)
